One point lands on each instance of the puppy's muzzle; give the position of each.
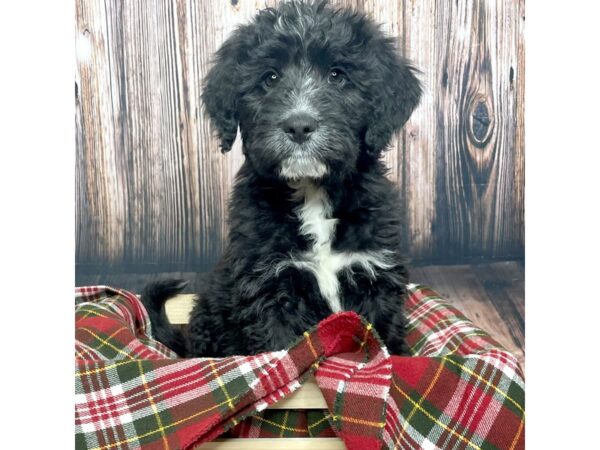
(299, 127)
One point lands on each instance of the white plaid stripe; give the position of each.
(464, 407)
(442, 342)
(368, 389)
(503, 361)
(108, 405)
(424, 309)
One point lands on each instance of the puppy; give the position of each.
(314, 224)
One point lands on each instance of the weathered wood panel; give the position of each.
(152, 187)
(463, 172)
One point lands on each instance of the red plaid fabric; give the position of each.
(460, 390)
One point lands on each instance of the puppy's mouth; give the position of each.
(300, 166)
(300, 160)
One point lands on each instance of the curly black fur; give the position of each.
(337, 79)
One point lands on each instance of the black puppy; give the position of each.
(314, 224)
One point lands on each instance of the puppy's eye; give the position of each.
(336, 75)
(271, 78)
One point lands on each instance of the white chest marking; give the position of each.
(318, 225)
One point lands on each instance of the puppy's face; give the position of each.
(300, 115)
(312, 90)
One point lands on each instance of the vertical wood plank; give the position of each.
(464, 144)
(102, 196)
(419, 169)
(517, 84)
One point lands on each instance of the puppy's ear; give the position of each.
(220, 90)
(398, 92)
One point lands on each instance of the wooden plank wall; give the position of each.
(152, 187)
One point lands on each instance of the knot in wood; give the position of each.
(481, 121)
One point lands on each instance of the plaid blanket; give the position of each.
(459, 390)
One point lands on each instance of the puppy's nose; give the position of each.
(299, 127)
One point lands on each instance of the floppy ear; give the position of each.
(398, 92)
(220, 94)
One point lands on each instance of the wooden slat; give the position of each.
(179, 308)
(275, 443)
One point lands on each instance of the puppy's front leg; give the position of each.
(279, 309)
(380, 299)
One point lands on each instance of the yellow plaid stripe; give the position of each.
(285, 419)
(319, 422)
(368, 329)
(487, 382)
(108, 344)
(359, 421)
(221, 384)
(462, 338)
(310, 345)
(91, 310)
(518, 435)
(102, 368)
(161, 428)
(418, 404)
(433, 418)
(283, 426)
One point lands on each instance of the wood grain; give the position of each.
(152, 187)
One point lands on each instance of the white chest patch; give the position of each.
(318, 225)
